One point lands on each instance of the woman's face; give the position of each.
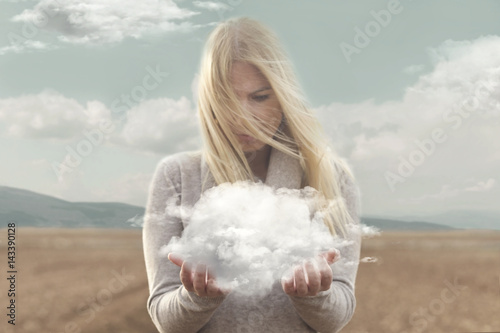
(258, 99)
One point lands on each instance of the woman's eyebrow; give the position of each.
(261, 89)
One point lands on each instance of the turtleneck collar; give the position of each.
(283, 171)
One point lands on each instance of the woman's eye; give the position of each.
(260, 98)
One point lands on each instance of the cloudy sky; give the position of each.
(409, 93)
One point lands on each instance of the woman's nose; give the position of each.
(238, 127)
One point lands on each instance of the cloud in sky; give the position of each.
(448, 191)
(212, 6)
(26, 46)
(464, 73)
(374, 137)
(49, 115)
(161, 125)
(95, 22)
(156, 126)
(362, 131)
(392, 147)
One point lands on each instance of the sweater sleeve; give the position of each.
(329, 311)
(172, 308)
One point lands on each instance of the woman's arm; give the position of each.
(171, 307)
(329, 311)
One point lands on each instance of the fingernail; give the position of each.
(173, 256)
(337, 255)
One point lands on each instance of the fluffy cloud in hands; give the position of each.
(250, 234)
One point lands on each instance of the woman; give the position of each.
(256, 125)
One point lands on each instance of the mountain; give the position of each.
(395, 225)
(32, 209)
(460, 218)
(28, 208)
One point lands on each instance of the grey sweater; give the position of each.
(174, 309)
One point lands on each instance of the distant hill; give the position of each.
(395, 225)
(460, 218)
(32, 209)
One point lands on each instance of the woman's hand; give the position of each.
(311, 277)
(197, 279)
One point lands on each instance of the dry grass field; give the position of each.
(94, 280)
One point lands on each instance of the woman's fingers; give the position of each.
(313, 277)
(325, 272)
(212, 290)
(186, 276)
(287, 283)
(300, 281)
(200, 280)
(197, 278)
(331, 256)
(175, 259)
(212, 287)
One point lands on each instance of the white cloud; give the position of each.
(49, 115)
(154, 126)
(26, 46)
(242, 256)
(161, 125)
(110, 21)
(367, 130)
(481, 186)
(376, 137)
(210, 5)
(448, 191)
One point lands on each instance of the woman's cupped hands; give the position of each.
(307, 279)
(197, 278)
(312, 276)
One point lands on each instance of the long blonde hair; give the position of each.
(302, 136)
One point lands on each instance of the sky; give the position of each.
(408, 92)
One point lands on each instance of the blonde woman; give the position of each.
(256, 125)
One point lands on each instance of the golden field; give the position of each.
(94, 280)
